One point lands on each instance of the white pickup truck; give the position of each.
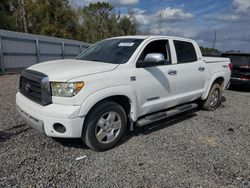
(118, 83)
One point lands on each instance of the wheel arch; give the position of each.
(122, 100)
(123, 96)
(220, 79)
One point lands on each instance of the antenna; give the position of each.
(214, 42)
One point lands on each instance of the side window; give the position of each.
(185, 52)
(159, 46)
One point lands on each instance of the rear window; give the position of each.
(185, 52)
(238, 59)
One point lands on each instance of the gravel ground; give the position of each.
(196, 149)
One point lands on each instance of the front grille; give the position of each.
(35, 86)
(30, 89)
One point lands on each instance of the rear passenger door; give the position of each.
(190, 72)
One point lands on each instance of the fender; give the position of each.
(125, 90)
(210, 83)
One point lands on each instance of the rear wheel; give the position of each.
(104, 126)
(214, 98)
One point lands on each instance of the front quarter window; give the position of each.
(116, 51)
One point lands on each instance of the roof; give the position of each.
(14, 34)
(152, 36)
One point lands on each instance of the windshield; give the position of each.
(116, 51)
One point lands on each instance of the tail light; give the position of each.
(245, 77)
(230, 65)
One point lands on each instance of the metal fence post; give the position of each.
(37, 51)
(63, 50)
(80, 48)
(2, 65)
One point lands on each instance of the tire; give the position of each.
(213, 100)
(105, 125)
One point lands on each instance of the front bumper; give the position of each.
(43, 118)
(238, 81)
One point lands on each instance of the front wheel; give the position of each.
(214, 98)
(104, 126)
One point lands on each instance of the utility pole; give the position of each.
(214, 41)
(160, 21)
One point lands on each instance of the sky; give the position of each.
(196, 19)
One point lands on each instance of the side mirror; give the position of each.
(151, 59)
(154, 57)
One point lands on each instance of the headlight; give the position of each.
(66, 89)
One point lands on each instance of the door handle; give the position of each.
(172, 72)
(201, 68)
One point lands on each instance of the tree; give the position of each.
(14, 15)
(23, 12)
(7, 20)
(100, 21)
(209, 50)
(127, 25)
(54, 18)
(58, 18)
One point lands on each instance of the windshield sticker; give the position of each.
(126, 44)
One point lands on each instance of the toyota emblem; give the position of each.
(27, 87)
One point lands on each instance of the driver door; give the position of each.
(155, 84)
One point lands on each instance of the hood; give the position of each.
(64, 70)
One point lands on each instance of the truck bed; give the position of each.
(215, 59)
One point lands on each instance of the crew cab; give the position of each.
(119, 83)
